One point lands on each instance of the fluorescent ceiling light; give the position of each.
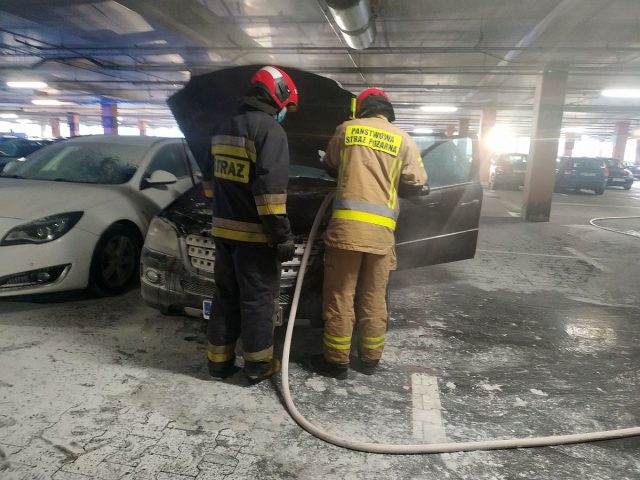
(27, 84)
(8, 115)
(621, 93)
(439, 108)
(422, 130)
(23, 120)
(574, 129)
(48, 102)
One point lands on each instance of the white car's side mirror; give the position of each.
(161, 177)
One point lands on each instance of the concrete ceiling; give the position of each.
(473, 54)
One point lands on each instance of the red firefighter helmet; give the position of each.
(278, 85)
(369, 92)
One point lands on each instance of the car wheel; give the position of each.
(627, 187)
(115, 262)
(599, 191)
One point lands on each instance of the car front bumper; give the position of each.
(56, 266)
(620, 182)
(177, 284)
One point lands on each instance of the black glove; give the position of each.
(286, 250)
(408, 191)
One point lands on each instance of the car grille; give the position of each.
(195, 287)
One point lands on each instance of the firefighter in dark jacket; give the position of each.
(247, 175)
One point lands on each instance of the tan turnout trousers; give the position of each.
(346, 271)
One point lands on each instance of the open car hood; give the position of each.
(210, 98)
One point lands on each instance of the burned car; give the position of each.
(178, 254)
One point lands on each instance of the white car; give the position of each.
(74, 214)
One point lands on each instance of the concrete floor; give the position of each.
(539, 335)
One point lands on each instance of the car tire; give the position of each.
(116, 261)
(627, 187)
(598, 191)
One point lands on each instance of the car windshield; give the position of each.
(82, 162)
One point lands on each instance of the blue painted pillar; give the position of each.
(109, 118)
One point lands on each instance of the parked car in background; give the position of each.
(75, 214)
(179, 253)
(16, 148)
(618, 175)
(577, 173)
(634, 168)
(508, 170)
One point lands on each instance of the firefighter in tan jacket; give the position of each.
(370, 157)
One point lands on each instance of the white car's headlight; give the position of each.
(162, 237)
(42, 230)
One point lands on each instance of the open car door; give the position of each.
(442, 226)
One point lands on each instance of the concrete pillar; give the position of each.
(541, 168)
(638, 151)
(73, 120)
(487, 122)
(142, 127)
(109, 118)
(569, 143)
(463, 127)
(622, 135)
(54, 123)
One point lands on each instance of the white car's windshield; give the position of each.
(86, 162)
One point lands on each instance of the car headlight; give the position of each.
(162, 237)
(42, 230)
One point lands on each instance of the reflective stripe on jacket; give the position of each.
(247, 175)
(371, 156)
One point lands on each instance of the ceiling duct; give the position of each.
(355, 21)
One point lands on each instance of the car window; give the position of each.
(448, 162)
(169, 158)
(84, 162)
(591, 163)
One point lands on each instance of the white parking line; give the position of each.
(513, 214)
(427, 410)
(587, 259)
(594, 205)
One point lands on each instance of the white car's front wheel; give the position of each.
(115, 261)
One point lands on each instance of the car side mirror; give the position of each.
(161, 177)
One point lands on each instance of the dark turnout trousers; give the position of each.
(247, 278)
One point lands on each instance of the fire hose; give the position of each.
(410, 448)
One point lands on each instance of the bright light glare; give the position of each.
(23, 121)
(439, 108)
(48, 102)
(8, 115)
(621, 93)
(27, 84)
(502, 139)
(574, 129)
(423, 130)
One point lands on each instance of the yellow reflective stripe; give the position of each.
(354, 103)
(393, 194)
(220, 357)
(221, 353)
(208, 192)
(240, 236)
(371, 346)
(237, 225)
(337, 339)
(373, 339)
(270, 198)
(364, 217)
(272, 209)
(264, 355)
(336, 346)
(233, 150)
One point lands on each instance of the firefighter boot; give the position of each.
(320, 365)
(273, 369)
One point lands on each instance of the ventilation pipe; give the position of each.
(355, 20)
